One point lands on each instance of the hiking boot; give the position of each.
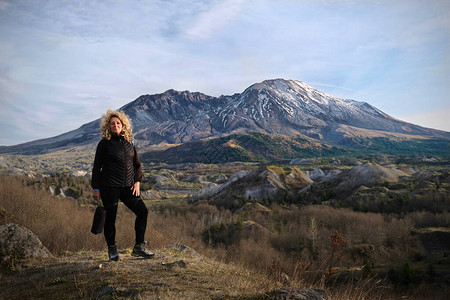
(139, 250)
(112, 253)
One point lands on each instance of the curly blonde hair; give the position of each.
(127, 131)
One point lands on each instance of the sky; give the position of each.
(64, 63)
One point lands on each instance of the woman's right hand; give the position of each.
(96, 195)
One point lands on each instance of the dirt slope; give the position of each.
(174, 273)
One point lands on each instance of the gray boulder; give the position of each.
(17, 242)
(151, 195)
(69, 192)
(184, 248)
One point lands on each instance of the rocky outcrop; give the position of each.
(184, 249)
(322, 175)
(17, 242)
(368, 174)
(78, 173)
(64, 192)
(302, 161)
(214, 188)
(266, 182)
(151, 195)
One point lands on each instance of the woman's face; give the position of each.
(115, 125)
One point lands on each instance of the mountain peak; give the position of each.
(275, 83)
(282, 84)
(293, 90)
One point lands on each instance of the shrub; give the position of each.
(404, 276)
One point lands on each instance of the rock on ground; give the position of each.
(18, 242)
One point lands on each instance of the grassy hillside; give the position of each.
(403, 147)
(248, 147)
(262, 147)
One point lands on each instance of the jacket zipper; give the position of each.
(125, 169)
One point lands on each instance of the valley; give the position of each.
(375, 183)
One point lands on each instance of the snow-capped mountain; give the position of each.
(278, 106)
(274, 106)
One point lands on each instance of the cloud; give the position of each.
(3, 5)
(215, 18)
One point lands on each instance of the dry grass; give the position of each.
(60, 223)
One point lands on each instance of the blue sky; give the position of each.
(63, 63)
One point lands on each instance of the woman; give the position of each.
(117, 174)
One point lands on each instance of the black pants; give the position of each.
(110, 197)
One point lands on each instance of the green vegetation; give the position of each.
(76, 187)
(390, 146)
(59, 280)
(248, 147)
(262, 147)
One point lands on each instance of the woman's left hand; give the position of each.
(136, 189)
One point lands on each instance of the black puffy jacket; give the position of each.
(116, 164)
